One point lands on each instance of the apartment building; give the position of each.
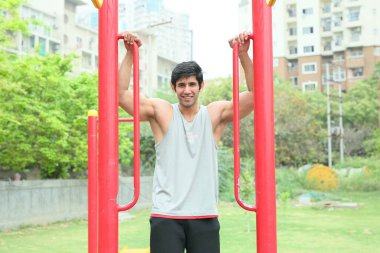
(310, 36)
(58, 32)
(168, 41)
(166, 35)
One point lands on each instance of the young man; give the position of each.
(185, 184)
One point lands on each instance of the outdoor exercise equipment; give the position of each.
(103, 134)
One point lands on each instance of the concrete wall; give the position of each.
(45, 201)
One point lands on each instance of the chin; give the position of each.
(187, 104)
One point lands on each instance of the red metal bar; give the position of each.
(126, 120)
(264, 128)
(236, 127)
(108, 128)
(92, 188)
(136, 128)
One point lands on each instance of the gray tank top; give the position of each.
(185, 182)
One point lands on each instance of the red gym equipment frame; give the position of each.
(103, 133)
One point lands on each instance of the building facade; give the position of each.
(167, 38)
(167, 41)
(58, 32)
(71, 26)
(316, 42)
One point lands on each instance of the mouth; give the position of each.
(187, 97)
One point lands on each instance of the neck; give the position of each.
(189, 112)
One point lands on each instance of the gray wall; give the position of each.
(44, 201)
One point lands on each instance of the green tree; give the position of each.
(10, 21)
(361, 108)
(43, 118)
(298, 131)
(219, 90)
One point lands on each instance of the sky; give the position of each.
(213, 23)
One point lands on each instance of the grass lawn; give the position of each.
(300, 230)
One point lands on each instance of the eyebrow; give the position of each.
(183, 83)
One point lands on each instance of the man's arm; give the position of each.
(125, 95)
(246, 97)
(221, 112)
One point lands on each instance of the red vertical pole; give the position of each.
(92, 186)
(264, 128)
(108, 128)
(236, 127)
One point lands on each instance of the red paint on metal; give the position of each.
(92, 191)
(126, 119)
(264, 128)
(108, 128)
(136, 129)
(236, 127)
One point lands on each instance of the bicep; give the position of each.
(146, 105)
(245, 107)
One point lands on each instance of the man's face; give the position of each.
(187, 90)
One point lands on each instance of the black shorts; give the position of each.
(174, 236)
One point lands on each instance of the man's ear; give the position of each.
(202, 86)
(172, 86)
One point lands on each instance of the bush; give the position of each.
(289, 182)
(369, 180)
(226, 176)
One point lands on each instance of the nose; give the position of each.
(187, 88)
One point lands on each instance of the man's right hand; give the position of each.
(243, 40)
(129, 38)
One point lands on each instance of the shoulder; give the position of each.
(161, 119)
(161, 105)
(216, 109)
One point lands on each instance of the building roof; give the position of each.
(77, 2)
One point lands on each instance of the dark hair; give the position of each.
(186, 69)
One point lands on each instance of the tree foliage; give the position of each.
(299, 123)
(298, 132)
(361, 109)
(10, 21)
(43, 116)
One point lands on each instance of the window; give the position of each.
(308, 30)
(53, 47)
(326, 24)
(292, 30)
(356, 52)
(327, 45)
(337, 3)
(309, 86)
(79, 42)
(326, 8)
(309, 68)
(356, 33)
(339, 57)
(292, 12)
(376, 51)
(339, 40)
(294, 80)
(308, 49)
(292, 49)
(91, 43)
(357, 72)
(307, 11)
(86, 60)
(353, 14)
(338, 18)
(293, 65)
(339, 75)
(42, 46)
